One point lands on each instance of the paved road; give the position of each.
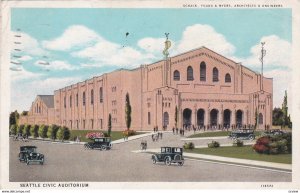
(73, 163)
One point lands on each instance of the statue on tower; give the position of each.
(167, 45)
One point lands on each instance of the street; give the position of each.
(65, 162)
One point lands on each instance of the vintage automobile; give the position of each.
(29, 154)
(102, 143)
(242, 134)
(169, 155)
(274, 132)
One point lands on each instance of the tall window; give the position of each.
(92, 96)
(65, 101)
(227, 78)
(176, 75)
(77, 99)
(190, 75)
(215, 75)
(101, 95)
(70, 100)
(202, 71)
(260, 119)
(83, 98)
(149, 118)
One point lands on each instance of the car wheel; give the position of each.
(153, 161)
(103, 147)
(168, 161)
(234, 136)
(181, 163)
(251, 137)
(27, 162)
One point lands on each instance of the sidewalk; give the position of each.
(245, 162)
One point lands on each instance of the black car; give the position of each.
(274, 132)
(29, 154)
(242, 134)
(102, 143)
(169, 155)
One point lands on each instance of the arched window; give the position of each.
(92, 96)
(215, 75)
(190, 75)
(83, 98)
(227, 78)
(202, 71)
(70, 100)
(101, 94)
(176, 75)
(260, 119)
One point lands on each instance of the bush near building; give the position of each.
(63, 133)
(27, 130)
(278, 144)
(238, 143)
(13, 129)
(20, 129)
(34, 131)
(43, 131)
(213, 144)
(52, 132)
(189, 145)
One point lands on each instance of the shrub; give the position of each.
(20, 129)
(63, 133)
(52, 132)
(129, 132)
(214, 144)
(13, 129)
(43, 131)
(27, 130)
(274, 144)
(189, 145)
(238, 143)
(34, 131)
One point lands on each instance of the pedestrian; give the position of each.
(182, 132)
(153, 137)
(176, 130)
(161, 135)
(173, 129)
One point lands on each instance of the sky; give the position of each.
(60, 47)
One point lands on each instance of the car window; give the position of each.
(163, 150)
(168, 150)
(177, 150)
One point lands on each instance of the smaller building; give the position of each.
(41, 111)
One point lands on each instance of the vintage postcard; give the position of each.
(150, 94)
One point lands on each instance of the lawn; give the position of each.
(245, 152)
(115, 135)
(216, 134)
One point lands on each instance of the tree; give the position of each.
(277, 116)
(109, 125)
(27, 130)
(63, 133)
(286, 117)
(20, 129)
(34, 131)
(52, 132)
(176, 116)
(24, 113)
(43, 131)
(13, 118)
(127, 112)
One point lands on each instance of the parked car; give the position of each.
(29, 154)
(242, 134)
(169, 155)
(102, 143)
(274, 132)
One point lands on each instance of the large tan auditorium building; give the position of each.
(208, 89)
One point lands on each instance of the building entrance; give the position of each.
(187, 117)
(200, 117)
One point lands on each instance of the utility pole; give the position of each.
(263, 54)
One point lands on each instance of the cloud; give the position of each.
(106, 53)
(199, 35)
(278, 53)
(26, 44)
(25, 58)
(153, 45)
(75, 36)
(22, 94)
(55, 65)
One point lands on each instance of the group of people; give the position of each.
(175, 131)
(156, 136)
(21, 137)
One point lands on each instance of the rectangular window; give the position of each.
(101, 127)
(65, 101)
(92, 123)
(92, 96)
(101, 94)
(71, 101)
(77, 99)
(83, 124)
(83, 99)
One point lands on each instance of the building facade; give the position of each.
(207, 89)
